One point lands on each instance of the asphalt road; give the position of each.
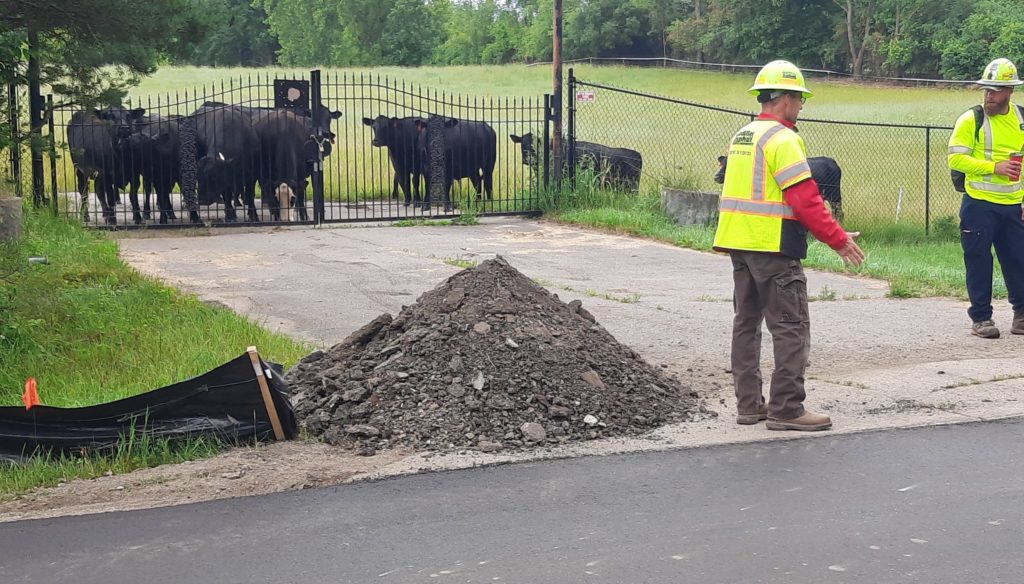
(934, 505)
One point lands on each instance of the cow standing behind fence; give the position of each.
(614, 167)
(100, 150)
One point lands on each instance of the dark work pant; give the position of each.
(770, 288)
(982, 226)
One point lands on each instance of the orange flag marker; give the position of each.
(31, 395)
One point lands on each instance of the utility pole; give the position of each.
(556, 94)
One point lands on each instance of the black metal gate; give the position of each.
(347, 178)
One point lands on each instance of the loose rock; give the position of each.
(421, 378)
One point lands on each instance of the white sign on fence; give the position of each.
(590, 96)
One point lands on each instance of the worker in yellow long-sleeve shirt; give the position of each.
(985, 148)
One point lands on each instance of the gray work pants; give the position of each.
(771, 288)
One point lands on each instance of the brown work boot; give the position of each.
(986, 329)
(1018, 323)
(748, 419)
(809, 422)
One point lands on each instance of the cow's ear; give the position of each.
(721, 159)
(367, 122)
(137, 113)
(451, 122)
(515, 138)
(335, 115)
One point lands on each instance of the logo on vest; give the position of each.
(744, 138)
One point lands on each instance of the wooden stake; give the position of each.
(265, 390)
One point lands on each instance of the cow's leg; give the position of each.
(269, 199)
(448, 183)
(394, 188)
(300, 204)
(403, 181)
(147, 192)
(416, 186)
(837, 209)
(477, 183)
(83, 194)
(163, 203)
(488, 178)
(133, 197)
(250, 202)
(108, 198)
(228, 197)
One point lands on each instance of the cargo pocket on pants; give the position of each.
(791, 289)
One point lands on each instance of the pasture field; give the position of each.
(885, 174)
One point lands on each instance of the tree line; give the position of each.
(94, 49)
(951, 39)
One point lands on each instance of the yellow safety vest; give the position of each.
(997, 138)
(765, 158)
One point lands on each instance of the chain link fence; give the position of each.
(892, 174)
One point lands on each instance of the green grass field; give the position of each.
(884, 168)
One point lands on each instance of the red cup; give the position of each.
(1018, 158)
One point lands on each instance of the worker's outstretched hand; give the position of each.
(851, 252)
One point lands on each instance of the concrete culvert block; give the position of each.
(687, 207)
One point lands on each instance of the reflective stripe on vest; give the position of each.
(763, 208)
(758, 188)
(995, 187)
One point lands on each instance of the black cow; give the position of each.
(283, 168)
(156, 143)
(616, 167)
(100, 150)
(312, 130)
(228, 152)
(400, 137)
(824, 170)
(470, 151)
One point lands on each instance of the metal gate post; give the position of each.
(927, 179)
(546, 145)
(319, 210)
(572, 129)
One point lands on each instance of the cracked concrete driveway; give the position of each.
(876, 362)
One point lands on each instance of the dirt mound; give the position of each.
(488, 360)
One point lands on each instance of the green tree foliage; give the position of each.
(410, 35)
(306, 30)
(234, 33)
(607, 28)
(994, 29)
(93, 50)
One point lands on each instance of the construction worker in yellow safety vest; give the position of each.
(769, 202)
(985, 149)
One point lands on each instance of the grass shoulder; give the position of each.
(914, 264)
(90, 330)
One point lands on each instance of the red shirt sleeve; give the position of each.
(809, 209)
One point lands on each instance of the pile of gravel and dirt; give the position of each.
(487, 360)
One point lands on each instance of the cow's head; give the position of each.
(423, 131)
(154, 135)
(122, 122)
(214, 174)
(322, 123)
(383, 130)
(530, 146)
(720, 175)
